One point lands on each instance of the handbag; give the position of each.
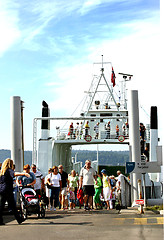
(48, 185)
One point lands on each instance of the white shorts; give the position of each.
(64, 191)
(106, 193)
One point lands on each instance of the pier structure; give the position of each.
(17, 143)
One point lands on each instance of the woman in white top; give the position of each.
(54, 180)
(48, 191)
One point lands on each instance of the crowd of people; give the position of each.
(99, 189)
(76, 132)
(89, 189)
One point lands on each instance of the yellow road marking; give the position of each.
(160, 220)
(140, 221)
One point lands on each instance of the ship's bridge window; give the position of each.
(118, 118)
(106, 114)
(92, 115)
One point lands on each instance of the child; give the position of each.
(98, 190)
(112, 199)
(71, 198)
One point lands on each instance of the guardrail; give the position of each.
(63, 134)
(125, 192)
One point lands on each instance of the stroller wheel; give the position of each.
(23, 211)
(38, 214)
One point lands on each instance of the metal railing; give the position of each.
(77, 166)
(64, 134)
(125, 192)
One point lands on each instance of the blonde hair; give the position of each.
(54, 167)
(8, 163)
(88, 161)
(73, 172)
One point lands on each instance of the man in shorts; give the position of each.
(65, 184)
(39, 185)
(120, 175)
(87, 176)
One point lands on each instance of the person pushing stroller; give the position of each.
(28, 197)
(24, 181)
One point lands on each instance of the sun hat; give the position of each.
(103, 171)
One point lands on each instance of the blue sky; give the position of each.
(47, 49)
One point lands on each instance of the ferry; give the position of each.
(106, 117)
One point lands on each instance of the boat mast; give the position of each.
(102, 76)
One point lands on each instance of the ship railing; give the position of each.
(64, 134)
(77, 166)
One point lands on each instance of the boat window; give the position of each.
(106, 114)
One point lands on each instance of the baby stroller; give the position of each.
(30, 203)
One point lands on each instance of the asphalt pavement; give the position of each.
(75, 224)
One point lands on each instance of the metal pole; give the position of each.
(144, 187)
(22, 130)
(80, 118)
(134, 138)
(140, 194)
(97, 157)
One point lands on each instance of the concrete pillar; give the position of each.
(44, 160)
(45, 124)
(16, 133)
(153, 140)
(153, 134)
(134, 139)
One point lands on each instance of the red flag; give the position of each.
(113, 77)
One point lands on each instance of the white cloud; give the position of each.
(75, 81)
(10, 32)
(89, 5)
(37, 15)
(137, 53)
